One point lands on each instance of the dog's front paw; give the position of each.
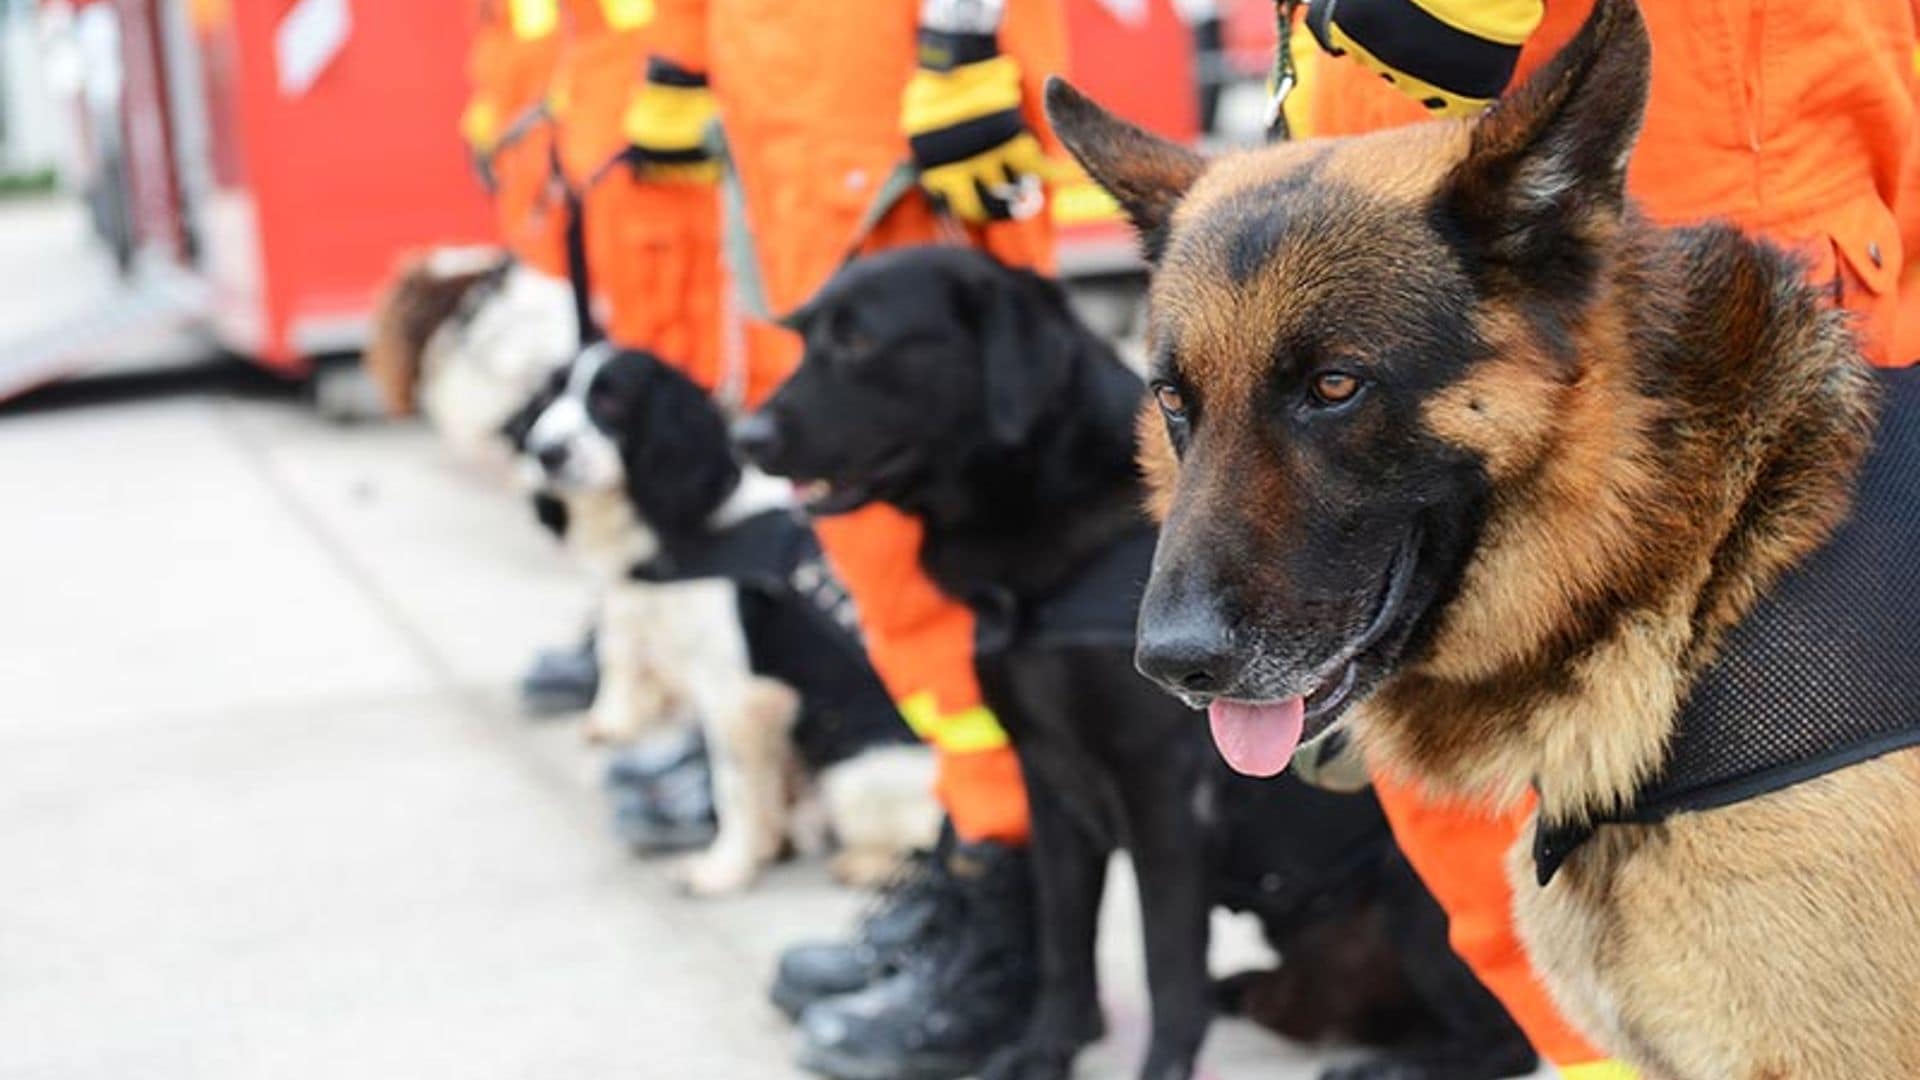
(715, 873)
(1030, 1061)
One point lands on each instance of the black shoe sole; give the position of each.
(551, 704)
(837, 1065)
(648, 840)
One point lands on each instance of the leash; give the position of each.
(1283, 79)
(743, 270)
(574, 236)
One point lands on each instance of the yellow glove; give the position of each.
(667, 125)
(961, 112)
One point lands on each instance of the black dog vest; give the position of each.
(1100, 605)
(1822, 674)
(800, 626)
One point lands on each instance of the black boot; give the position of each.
(906, 907)
(661, 792)
(561, 681)
(958, 995)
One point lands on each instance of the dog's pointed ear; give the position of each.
(1145, 174)
(1548, 162)
(1023, 351)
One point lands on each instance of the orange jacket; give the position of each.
(1795, 121)
(1792, 120)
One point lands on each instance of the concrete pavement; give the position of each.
(266, 809)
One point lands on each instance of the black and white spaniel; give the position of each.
(725, 605)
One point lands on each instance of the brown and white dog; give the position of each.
(466, 335)
(1456, 451)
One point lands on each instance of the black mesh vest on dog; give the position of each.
(1822, 674)
(800, 627)
(1099, 605)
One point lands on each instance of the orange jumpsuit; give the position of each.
(510, 67)
(809, 95)
(652, 248)
(1794, 121)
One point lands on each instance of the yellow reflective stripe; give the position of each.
(1597, 1070)
(1452, 104)
(944, 99)
(533, 18)
(480, 124)
(1509, 22)
(627, 14)
(968, 731)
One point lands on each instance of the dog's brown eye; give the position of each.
(1172, 402)
(1334, 387)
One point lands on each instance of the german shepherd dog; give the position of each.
(967, 395)
(1458, 451)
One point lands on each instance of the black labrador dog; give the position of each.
(968, 395)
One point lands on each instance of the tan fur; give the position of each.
(1776, 939)
(1157, 463)
(878, 807)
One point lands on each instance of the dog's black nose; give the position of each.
(756, 436)
(551, 456)
(1187, 654)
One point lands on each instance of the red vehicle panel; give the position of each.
(317, 188)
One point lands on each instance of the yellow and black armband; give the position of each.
(668, 122)
(1453, 56)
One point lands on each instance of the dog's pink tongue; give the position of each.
(1257, 740)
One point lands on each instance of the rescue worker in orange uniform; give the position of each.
(1821, 155)
(821, 104)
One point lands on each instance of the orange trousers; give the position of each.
(1821, 156)
(653, 248)
(809, 95)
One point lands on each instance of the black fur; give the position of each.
(967, 395)
(673, 442)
